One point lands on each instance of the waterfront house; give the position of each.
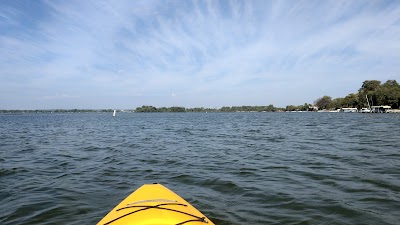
(312, 108)
(381, 108)
(348, 110)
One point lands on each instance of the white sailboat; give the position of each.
(115, 112)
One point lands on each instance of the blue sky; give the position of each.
(124, 54)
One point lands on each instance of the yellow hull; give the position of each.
(154, 204)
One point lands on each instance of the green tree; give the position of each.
(176, 109)
(271, 108)
(324, 103)
(351, 101)
(379, 94)
(291, 108)
(338, 103)
(389, 94)
(369, 89)
(391, 83)
(370, 85)
(304, 107)
(146, 108)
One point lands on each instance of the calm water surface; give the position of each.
(237, 168)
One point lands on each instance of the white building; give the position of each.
(380, 108)
(348, 110)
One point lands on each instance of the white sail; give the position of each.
(115, 111)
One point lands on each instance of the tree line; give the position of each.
(147, 108)
(377, 93)
(269, 108)
(371, 93)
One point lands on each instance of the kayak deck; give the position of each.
(154, 204)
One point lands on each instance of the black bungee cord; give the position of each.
(198, 219)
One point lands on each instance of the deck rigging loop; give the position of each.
(198, 219)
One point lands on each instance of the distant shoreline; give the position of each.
(166, 110)
(160, 110)
(371, 94)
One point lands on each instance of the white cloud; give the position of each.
(147, 48)
(58, 96)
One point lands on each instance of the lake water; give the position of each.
(237, 168)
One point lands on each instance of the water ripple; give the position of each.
(237, 168)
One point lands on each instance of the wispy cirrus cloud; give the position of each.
(193, 53)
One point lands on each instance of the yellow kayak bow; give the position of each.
(154, 204)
